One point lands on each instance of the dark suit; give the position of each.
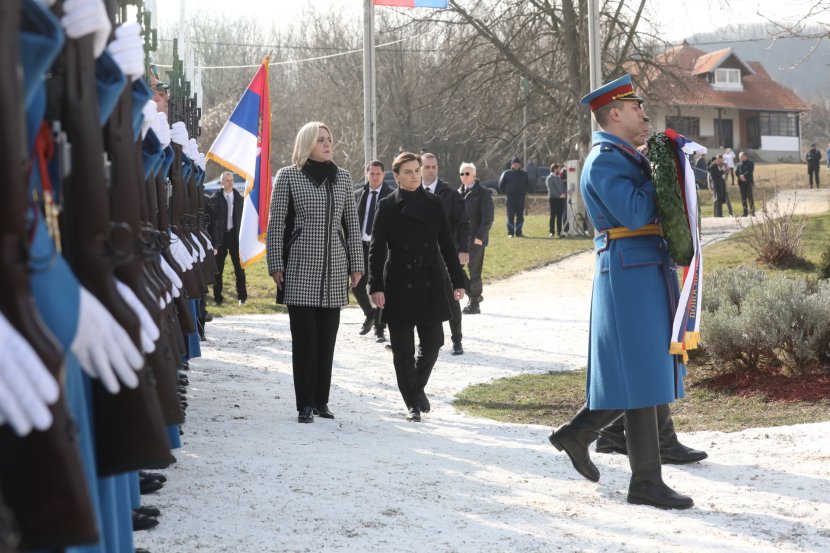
(362, 197)
(227, 241)
(746, 169)
(410, 251)
(478, 201)
(459, 222)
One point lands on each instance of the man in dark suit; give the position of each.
(227, 208)
(367, 198)
(745, 172)
(459, 223)
(478, 201)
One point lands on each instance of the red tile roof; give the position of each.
(680, 86)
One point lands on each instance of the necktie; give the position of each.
(370, 215)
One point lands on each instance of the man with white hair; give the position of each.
(479, 203)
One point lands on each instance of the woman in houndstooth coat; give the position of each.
(313, 245)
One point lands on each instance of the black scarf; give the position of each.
(320, 171)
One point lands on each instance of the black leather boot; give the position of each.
(672, 452)
(575, 437)
(647, 486)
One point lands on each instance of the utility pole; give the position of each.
(524, 88)
(369, 123)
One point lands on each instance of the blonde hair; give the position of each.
(306, 140)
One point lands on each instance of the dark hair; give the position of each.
(404, 157)
(554, 167)
(375, 163)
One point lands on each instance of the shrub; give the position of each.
(824, 264)
(755, 320)
(776, 236)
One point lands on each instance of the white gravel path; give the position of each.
(250, 479)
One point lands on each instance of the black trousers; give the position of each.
(313, 335)
(813, 171)
(455, 313)
(474, 286)
(362, 295)
(515, 214)
(747, 197)
(230, 244)
(413, 373)
(557, 209)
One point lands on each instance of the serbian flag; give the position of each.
(686, 324)
(412, 3)
(244, 146)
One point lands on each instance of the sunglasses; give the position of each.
(467, 174)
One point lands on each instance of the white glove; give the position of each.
(26, 387)
(162, 129)
(181, 254)
(202, 163)
(207, 240)
(175, 281)
(198, 246)
(150, 113)
(178, 134)
(192, 150)
(103, 347)
(84, 17)
(149, 330)
(128, 50)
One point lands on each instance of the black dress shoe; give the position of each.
(149, 485)
(306, 415)
(323, 411)
(424, 403)
(147, 511)
(142, 550)
(472, 308)
(143, 522)
(414, 415)
(242, 302)
(387, 347)
(380, 335)
(218, 301)
(367, 324)
(457, 349)
(154, 475)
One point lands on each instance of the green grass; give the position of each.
(552, 399)
(734, 253)
(504, 257)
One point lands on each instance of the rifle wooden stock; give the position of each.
(8, 534)
(41, 475)
(129, 426)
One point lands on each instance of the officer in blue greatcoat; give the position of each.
(630, 370)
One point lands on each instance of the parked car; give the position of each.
(213, 185)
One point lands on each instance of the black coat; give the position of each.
(456, 213)
(409, 239)
(479, 203)
(219, 215)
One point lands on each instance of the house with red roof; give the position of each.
(722, 101)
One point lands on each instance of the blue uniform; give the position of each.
(635, 285)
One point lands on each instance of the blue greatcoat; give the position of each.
(635, 285)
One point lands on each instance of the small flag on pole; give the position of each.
(412, 3)
(244, 146)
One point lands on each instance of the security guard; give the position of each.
(630, 371)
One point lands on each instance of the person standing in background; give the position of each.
(729, 161)
(813, 158)
(227, 207)
(515, 184)
(557, 195)
(478, 201)
(367, 197)
(746, 182)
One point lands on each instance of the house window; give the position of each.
(728, 77)
(687, 126)
(778, 124)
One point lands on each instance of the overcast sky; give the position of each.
(676, 19)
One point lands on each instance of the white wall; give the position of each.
(779, 143)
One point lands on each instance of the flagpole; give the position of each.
(594, 54)
(369, 126)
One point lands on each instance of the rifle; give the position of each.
(41, 475)
(193, 280)
(125, 199)
(129, 426)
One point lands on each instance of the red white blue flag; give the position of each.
(686, 324)
(244, 147)
(412, 3)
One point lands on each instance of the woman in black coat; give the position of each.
(410, 235)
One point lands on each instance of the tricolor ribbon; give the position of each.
(686, 324)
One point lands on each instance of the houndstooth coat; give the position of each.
(314, 237)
